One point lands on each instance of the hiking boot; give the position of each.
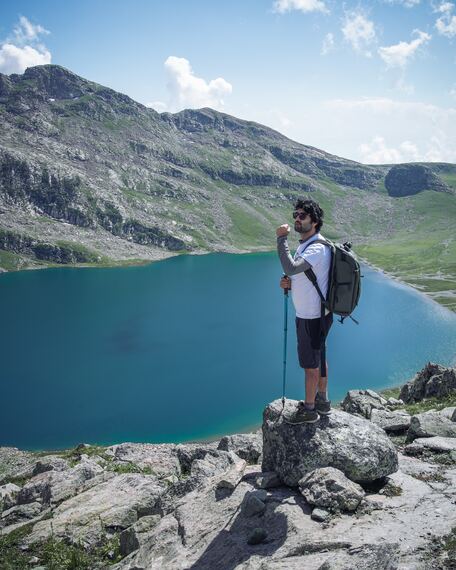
(303, 415)
(322, 406)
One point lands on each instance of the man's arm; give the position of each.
(289, 265)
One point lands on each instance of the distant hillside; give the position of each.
(87, 175)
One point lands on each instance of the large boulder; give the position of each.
(432, 381)
(360, 449)
(362, 402)
(329, 488)
(430, 424)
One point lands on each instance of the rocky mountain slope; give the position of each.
(370, 487)
(89, 175)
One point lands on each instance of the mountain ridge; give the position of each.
(89, 174)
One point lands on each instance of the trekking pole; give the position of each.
(285, 330)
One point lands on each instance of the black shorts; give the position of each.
(309, 340)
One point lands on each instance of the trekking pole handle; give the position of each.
(285, 291)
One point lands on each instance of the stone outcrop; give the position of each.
(409, 179)
(361, 450)
(433, 380)
(113, 504)
(362, 402)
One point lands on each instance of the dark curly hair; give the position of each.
(313, 209)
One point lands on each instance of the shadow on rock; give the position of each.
(256, 529)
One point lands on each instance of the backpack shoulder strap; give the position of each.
(310, 274)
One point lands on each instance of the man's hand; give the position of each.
(285, 283)
(283, 230)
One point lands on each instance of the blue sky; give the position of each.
(371, 81)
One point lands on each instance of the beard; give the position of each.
(298, 227)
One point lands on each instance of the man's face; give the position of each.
(302, 221)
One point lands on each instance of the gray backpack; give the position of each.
(344, 281)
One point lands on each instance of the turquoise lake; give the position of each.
(185, 349)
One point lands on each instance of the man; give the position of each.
(308, 220)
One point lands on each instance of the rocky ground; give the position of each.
(373, 485)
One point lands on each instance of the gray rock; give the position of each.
(53, 487)
(232, 477)
(360, 449)
(436, 443)
(114, 504)
(15, 463)
(268, 480)
(391, 422)
(320, 515)
(257, 536)
(329, 488)
(214, 463)
(253, 503)
(248, 446)
(188, 452)
(50, 463)
(20, 513)
(160, 458)
(8, 494)
(202, 472)
(432, 381)
(430, 424)
(394, 402)
(130, 537)
(449, 413)
(362, 402)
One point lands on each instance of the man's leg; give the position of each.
(323, 382)
(312, 376)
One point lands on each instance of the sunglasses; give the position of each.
(300, 215)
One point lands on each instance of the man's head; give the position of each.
(308, 215)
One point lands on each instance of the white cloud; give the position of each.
(411, 130)
(15, 59)
(282, 6)
(406, 3)
(328, 44)
(159, 106)
(25, 31)
(378, 152)
(186, 90)
(400, 54)
(444, 7)
(23, 49)
(446, 23)
(359, 32)
(452, 91)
